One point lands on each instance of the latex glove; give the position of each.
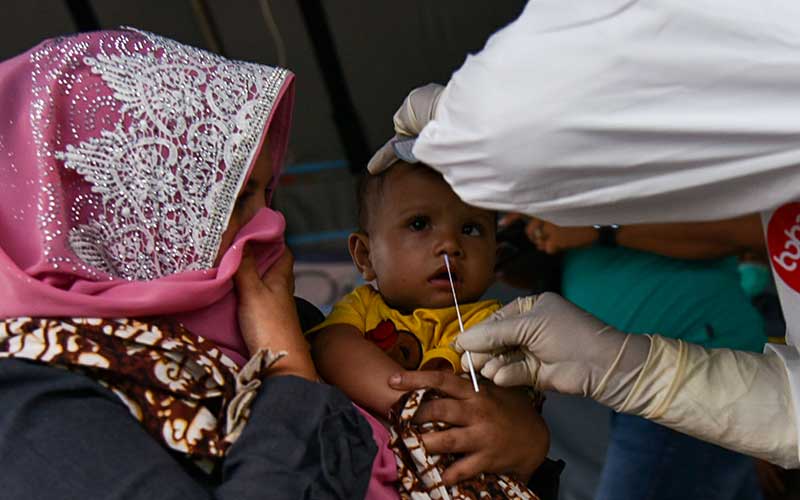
(549, 343)
(738, 400)
(417, 109)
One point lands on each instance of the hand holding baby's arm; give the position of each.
(355, 365)
(495, 430)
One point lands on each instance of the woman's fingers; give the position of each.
(451, 411)
(496, 430)
(246, 278)
(446, 382)
(454, 440)
(281, 274)
(465, 468)
(278, 278)
(267, 314)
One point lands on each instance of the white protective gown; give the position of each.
(613, 111)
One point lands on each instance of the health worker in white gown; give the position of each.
(620, 112)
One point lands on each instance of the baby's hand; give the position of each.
(267, 315)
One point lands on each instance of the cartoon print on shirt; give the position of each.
(400, 345)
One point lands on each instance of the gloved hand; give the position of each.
(418, 108)
(735, 399)
(549, 343)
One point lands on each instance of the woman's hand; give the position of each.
(268, 317)
(495, 430)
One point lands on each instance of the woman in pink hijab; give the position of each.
(142, 353)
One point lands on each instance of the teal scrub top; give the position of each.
(699, 301)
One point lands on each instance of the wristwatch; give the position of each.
(607, 235)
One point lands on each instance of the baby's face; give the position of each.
(416, 219)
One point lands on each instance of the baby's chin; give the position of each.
(439, 301)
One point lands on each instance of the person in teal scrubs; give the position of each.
(699, 301)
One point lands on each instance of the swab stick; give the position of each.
(461, 325)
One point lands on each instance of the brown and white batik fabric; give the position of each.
(420, 473)
(186, 393)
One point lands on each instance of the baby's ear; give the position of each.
(358, 244)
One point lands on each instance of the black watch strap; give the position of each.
(607, 235)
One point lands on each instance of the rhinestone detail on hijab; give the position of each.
(157, 108)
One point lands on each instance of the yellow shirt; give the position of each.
(414, 339)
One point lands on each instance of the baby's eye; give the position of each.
(472, 229)
(418, 223)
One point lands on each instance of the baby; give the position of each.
(409, 219)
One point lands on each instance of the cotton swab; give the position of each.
(461, 325)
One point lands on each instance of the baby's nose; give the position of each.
(449, 246)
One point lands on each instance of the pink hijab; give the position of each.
(121, 157)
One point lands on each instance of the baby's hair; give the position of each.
(366, 183)
(369, 185)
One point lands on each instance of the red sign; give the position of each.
(783, 242)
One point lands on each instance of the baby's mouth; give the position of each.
(441, 276)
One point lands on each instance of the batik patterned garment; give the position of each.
(420, 473)
(186, 393)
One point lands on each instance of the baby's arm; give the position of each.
(355, 365)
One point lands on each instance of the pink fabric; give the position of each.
(71, 93)
(383, 482)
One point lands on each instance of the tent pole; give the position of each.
(348, 123)
(207, 26)
(83, 15)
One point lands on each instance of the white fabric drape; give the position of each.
(616, 111)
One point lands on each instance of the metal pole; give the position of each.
(83, 15)
(348, 123)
